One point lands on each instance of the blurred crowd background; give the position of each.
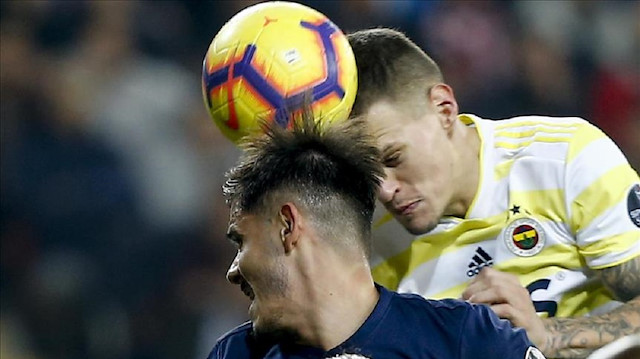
(112, 223)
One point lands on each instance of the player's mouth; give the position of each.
(406, 209)
(247, 290)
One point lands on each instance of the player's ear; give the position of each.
(290, 226)
(444, 102)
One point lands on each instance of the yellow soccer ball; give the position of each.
(270, 59)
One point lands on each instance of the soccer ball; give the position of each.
(272, 58)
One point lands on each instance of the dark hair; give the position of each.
(331, 171)
(390, 66)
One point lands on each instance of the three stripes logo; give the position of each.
(479, 260)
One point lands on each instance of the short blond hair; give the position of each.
(390, 66)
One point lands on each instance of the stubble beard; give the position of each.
(432, 216)
(271, 326)
(417, 230)
(276, 334)
(422, 229)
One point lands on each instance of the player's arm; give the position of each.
(603, 201)
(578, 337)
(563, 337)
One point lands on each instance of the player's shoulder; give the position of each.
(576, 128)
(231, 341)
(473, 329)
(538, 120)
(557, 139)
(454, 311)
(450, 308)
(439, 304)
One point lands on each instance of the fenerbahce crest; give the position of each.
(524, 237)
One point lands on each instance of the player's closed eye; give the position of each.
(392, 160)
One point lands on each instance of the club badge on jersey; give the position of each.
(524, 237)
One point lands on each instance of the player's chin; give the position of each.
(417, 226)
(419, 221)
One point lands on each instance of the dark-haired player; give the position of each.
(301, 209)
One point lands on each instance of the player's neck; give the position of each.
(339, 298)
(467, 170)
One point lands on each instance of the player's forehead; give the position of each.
(383, 108)
(386, 131)
(387, 119)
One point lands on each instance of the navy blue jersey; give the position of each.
(401, 326)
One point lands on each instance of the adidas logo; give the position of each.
(479, 260)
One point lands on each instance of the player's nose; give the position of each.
(388, 187)
(233, 273)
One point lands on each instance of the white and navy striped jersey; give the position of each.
(556, 200)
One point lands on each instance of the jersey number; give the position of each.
(542, 306)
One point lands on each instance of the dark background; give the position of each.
(111, 219)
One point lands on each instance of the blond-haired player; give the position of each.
(538, 217)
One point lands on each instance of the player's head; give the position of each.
(309, 184)
(412, 114)
(391, 67)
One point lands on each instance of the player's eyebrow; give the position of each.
(390, 148)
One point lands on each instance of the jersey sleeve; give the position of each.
(603, 196)
(487, 336)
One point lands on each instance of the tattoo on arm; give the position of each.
(578, 337)
(623, 280)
